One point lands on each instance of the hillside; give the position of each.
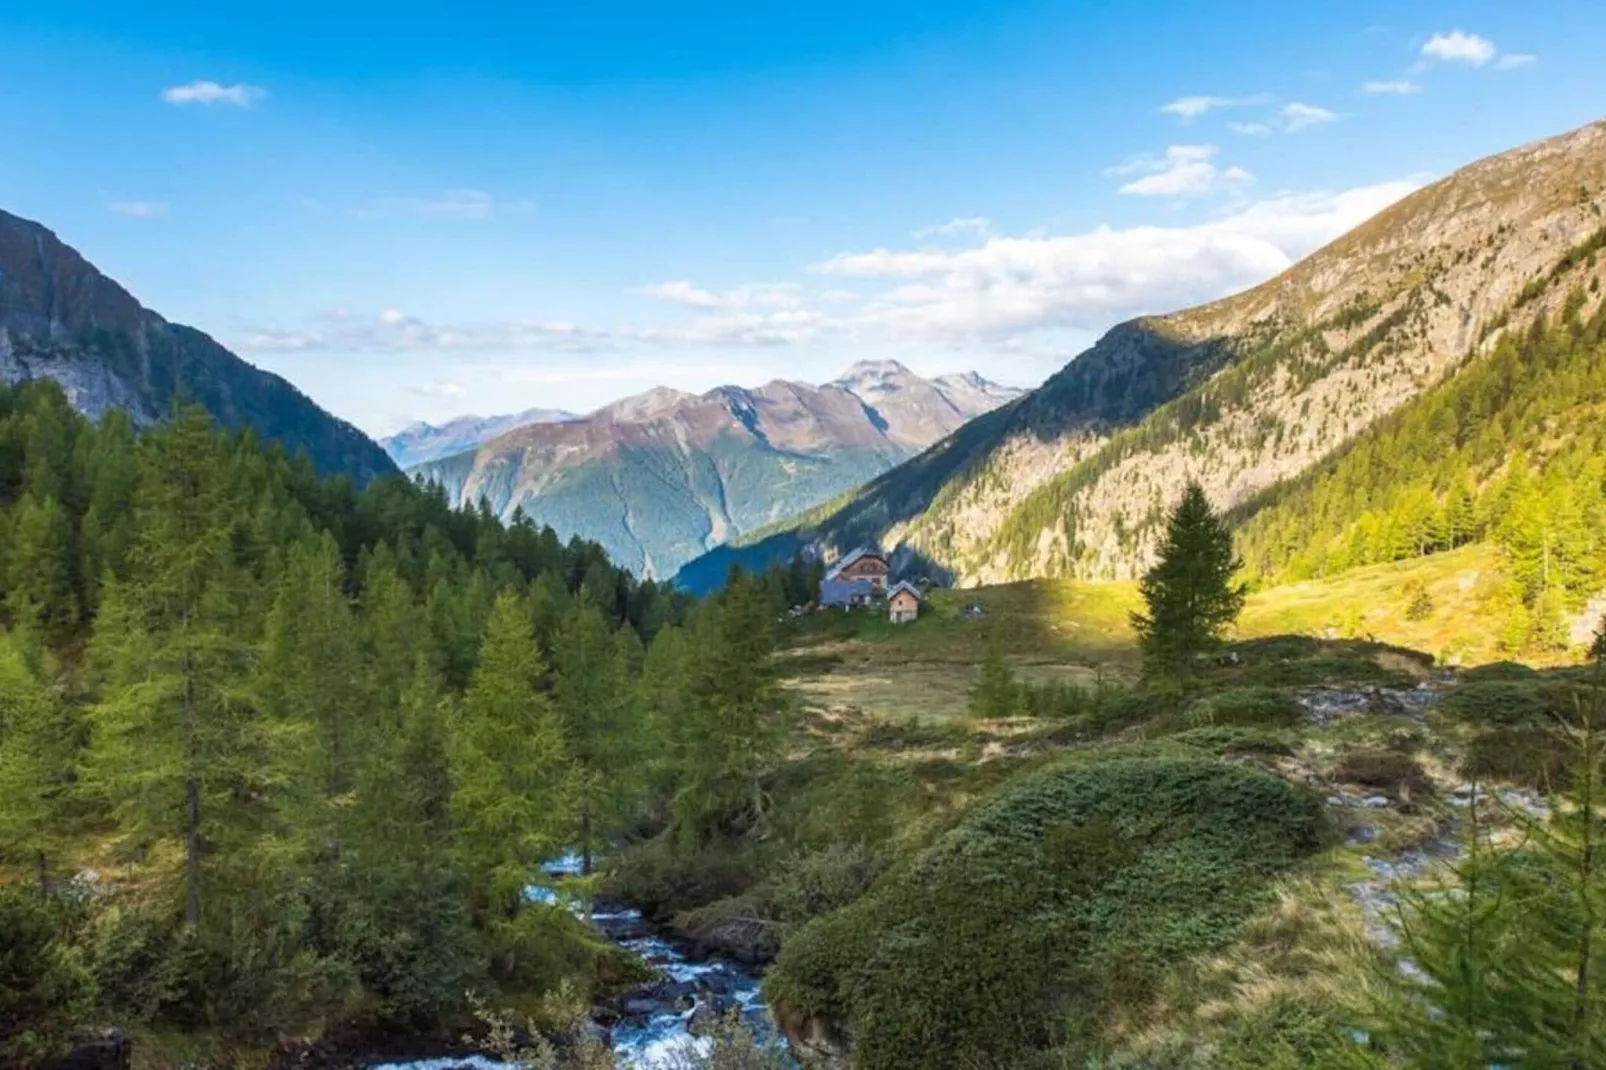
(420, 442)
(62, 319)
(659, 478)
(1242, 393)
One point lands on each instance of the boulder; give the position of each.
(706, 1016)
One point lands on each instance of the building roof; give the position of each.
(850, 558)
(909, 587)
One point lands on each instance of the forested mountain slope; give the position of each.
(659, 478)
(1247, 391)
(62, 319)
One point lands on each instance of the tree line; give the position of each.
(1511, 451)
(274, 750)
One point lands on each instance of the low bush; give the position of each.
(664, 882)
(1238, 739)
(1389, 771)
(824, 881)
(1246, 706)
(1534, 756)
(1500, 702)
(1067, 894)
(1508, 671)
(45, 987)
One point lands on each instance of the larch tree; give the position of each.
(730, 729)
(39, 754)
(511, 799)
(596, 704)
(1189, 594)
(176, 749)
(310, 678)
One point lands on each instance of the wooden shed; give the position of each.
(903, 603)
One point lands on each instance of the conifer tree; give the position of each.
(176, 749)
(1190, 595)
(310, 673)
(730, 728)
(510, 798)
(39, 567)
(663, 694)
(595, 703)
(1560, 878)
(39, 744)
(995, 693)
(1450, 1005)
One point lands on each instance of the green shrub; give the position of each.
(1504, 702)
(1500, 670)
(1256, 706)
(664, 881)
(1531, 755)
(835, 798)
(45, 988)
(1066, 894)
(824, 881)
(1238, 739)
(1123, 709)
(129, 955)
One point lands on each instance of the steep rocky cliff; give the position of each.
(62, 319)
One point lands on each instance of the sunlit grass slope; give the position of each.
(1446, 605)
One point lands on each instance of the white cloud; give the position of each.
(138, 209)
(1298, 116)
(1459, 47)
(1399, 88)
(1186, 108)
(238, 95)
(1011, 286)
(974, 226)
(749, 295)
(1184, 171)
(1250, 129)
(1512, 60)
(461, 204)
(394, 331)
(682, 292)
(782, 327)
(1008, 294)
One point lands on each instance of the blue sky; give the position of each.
(414, 213)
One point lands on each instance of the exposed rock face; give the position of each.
(61, 319)
(660, 477)
(1073, 478)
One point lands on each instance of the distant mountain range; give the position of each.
(1252, 394)
(62, 319)
(420, 442)
(661, 477)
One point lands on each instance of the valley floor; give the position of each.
(1389, 711)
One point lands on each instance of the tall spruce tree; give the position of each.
(1190, 595)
